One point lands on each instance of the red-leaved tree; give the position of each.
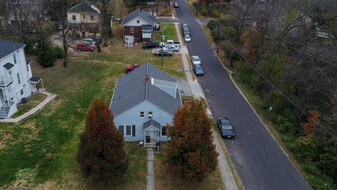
(191, 152)
(101, 150)
(310, 127)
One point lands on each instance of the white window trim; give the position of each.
(161, 131)
(148, 114)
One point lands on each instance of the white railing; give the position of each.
(5, 80)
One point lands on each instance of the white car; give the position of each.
(195, 60)
(171, 48)
(187, 38)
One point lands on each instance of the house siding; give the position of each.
(13, 92)
(88, 26)
(131, 117)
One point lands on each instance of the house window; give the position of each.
(27, 68)
(21, 91)
(137, 21)
(10, 72)
(133, 130)
(163, 131)
(128, 130)
(19, 78)
(121, 129)
(14, 58)
(92, 17)
(74, 17)
(141, 114)
(150, 114)
(83, 16)
(132, 29)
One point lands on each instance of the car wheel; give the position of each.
(78, 49)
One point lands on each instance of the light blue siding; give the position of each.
(132, 117)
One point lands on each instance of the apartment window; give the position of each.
(141, 114)
(163, 131)
(132, 29)
(128, 130)
(150, 114)
(19, 78)
(21, 91)
(14, 58)
(92, 17)
(74, 17)
(137, 21)
(121, 129)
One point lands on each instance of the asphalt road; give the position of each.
(260, 162)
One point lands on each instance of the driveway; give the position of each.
(258, 159)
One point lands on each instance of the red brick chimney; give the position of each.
(146, 78)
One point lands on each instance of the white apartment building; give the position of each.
(16, 80)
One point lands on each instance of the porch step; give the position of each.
(4, 112)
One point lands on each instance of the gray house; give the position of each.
(144, 102)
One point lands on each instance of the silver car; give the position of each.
(195, 60)
(187, 38)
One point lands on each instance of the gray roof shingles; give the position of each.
(7, 47)
(141, 13)
(130, 91)
(82, 8)
(8, 66)
(151, 122)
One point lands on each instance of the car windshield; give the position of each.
(226, 127)
(196, 59)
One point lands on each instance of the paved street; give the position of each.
(259, 161)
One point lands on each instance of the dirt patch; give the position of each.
(5, 138)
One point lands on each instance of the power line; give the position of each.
(271, 84)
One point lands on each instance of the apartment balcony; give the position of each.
(5, 81)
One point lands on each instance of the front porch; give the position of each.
(151, 133)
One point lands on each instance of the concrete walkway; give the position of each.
(150, 169)
(34, 110)
(197, 92)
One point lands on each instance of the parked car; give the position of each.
(91, 43)
(195, 60)
(169, 43)
(187, 38)
(164, 52)
(171, 48)
(88, 40)
(184, 27)
(129, 68)
(176, 5)
(198, 70)
(150, 44)
(116, 19)
(225, 128)
(85, 47)
(61, 26)
(186, 32)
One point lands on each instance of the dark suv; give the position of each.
(151, 44)
(225, 128)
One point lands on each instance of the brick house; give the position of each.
(138, 25)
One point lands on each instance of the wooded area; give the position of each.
(285, 52)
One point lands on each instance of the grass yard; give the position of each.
(33, 101)
(166, 181)
(169, 32)
(47, 142)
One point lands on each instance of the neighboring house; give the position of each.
(16, 80)
(144, 102)
(139, 25)
(83, 20)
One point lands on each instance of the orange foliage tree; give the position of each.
(101, 150)
(310, 127)
(191, 152)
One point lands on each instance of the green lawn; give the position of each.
(47, 142)
(169, 32)
(32, 102)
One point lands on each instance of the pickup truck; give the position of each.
(170, 43)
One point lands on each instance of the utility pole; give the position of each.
(219, 4)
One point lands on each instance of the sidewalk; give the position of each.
(150, 169)
(34, 110)
(197, 92)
